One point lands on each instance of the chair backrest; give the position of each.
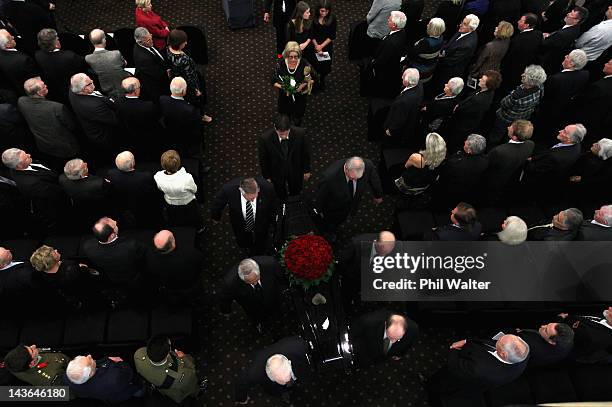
(75, 43)
(124, 37)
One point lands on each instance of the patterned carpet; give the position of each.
(242, 102)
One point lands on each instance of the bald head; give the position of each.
(278, 369)
(396, 327)
(125, 161)
(131, 86)
(178, 87)
(97, 38)
(164, 241)
(385, 243)
(512, 349)
(6, 257)
(6, 40)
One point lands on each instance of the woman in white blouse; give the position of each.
(179, 191)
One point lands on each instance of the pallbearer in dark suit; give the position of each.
(252, 284)
(382, 334)
(252, 207)
(277, 369)
(151, 66)
(478, 365)
(285, 156)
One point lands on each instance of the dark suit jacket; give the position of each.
(179, 269)
(523, 51)
(257, 306)
(505, 164)
(120, 261)
(368, 332)
(554, 13)
(460, 175)
(333, 200)
(293, 348)
(559, 89)
(151, 72)
(386, 68)
(16, 279)
(591, 232)
(97, 117)
(451, 233)
(473, 368)
(468, 115)
(593, 109)
(550, 234)
(39, 184)
(57, 69)
(285, 170)
(457, 55)
(280, 17)
(402, 118)
(553, 163)
(183, 121)
(556, 46)
(137, 192)
(28, 19)
(542, 353)
(592, 340)
(267, 206)
(54, 126)
(88, 189)
(440, 108)
(15, 68)
(140, 127)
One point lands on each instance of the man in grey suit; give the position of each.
(108, 65)
(51, 123)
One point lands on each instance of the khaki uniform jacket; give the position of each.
(182, 370)
(47, 372)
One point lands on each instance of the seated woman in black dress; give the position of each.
(422, 168)
(67, 277)
(323, 37)
(299, 29)
(293, 72)
(182, 65)
(424, 55)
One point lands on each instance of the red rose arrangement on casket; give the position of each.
(308, 259)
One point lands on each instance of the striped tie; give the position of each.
(250, 218)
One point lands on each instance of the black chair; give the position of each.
(84, 329)
(124, 37)
(197, 46)
(75, 43)
(411, 225)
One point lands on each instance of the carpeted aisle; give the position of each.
(242, 102)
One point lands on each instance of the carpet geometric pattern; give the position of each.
(242, 103)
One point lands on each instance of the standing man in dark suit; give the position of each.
(96, 113)
(277, 369)
(139, 122)
(522, 52)
(550, 344)
(600, 228)
(252, 207)
(464, 226)
(340, 190)
(457, 52)
(135, 191)
(285, 156)
(182, 120)
(15, 67)
(475, 365)
(253, 284)
(28, 18)
(558, 43)
(54, 126)
(151, 66)
(36, 182)
(560, 89)
(120, 260)
(108, 65)
(506, 161)
(400, 125)
(281, 14)
(57, 65)
(385, 69)
(382, 334)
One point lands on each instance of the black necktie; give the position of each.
(351, 188)
(250, 217)
(257, 288)
(386, 343)
(285, 147)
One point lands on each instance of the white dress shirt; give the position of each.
(178, 188)
(596, 40)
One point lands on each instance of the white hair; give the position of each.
(534, 75)
(515, 231)
(606, 214)
(178, 85)
(140, 33)
(4, 38)
(410, 77)
(578, 134)
(355, 164)
(455, 85)
(436, 27)
(474, 21)
(605, 148)
(514, 351)
(73, 169)
(578, 58)
(278, 365)
(78, 370)
(476, 143)
(77, 82)
(399, 19)
(246, 267)
(11, 157)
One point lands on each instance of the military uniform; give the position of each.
(175, 378)
(47, 372)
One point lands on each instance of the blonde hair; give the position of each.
(42, 259)
(142, 4)
(292, 46)
(436, 27)
(504, 30)
(435, 150)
